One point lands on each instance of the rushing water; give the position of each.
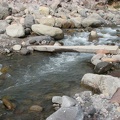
(33, 80)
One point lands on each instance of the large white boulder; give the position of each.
(54, 32)
(105, 83)
(15, 30)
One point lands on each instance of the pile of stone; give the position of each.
(18, 19)
(89, 106)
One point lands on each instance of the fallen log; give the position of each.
(83, 49)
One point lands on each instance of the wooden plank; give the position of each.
(83, 49)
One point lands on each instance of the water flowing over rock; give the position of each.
(54, 32)
(15, 30)
(105, 83)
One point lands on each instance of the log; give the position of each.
(83, 49)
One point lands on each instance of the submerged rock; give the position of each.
(36, 108)
(8, 104)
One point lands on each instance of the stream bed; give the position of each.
(35, 79)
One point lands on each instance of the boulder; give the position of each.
(44, 10)
(93, 20)
(3, 25)
(59, 22)
(54, 32)
(57, 99)
(77, 21)
(103, 67)
(4, 11)
(47, 21)
(15, 30)
(105, 83)
(29, 21)
(68, 101)
(24, 51)
(67, 113)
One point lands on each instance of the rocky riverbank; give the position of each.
(20, 20)
(25, 23)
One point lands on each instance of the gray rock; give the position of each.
(29, 21)
(70, 113)
(4, 11)
(24, 51)
(68, 101)
(15, 30)
(105, 83)
(3, 25)
(57, 99)
(93, 20)
(103, 67)
(54, 32)
(39, 39)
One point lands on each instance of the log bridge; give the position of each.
(82, 49)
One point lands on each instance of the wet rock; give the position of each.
(57, 99)
(58, 44)
(103, 67)
(93, 35)
(24, 51)
(105, 83)
(44, 10)
(67, 113)
(68, 101)
(54, 32)
(8, 104)
(36, 108)
(16, 47)
(15, 30)
(29, 21)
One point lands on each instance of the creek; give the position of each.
(35, 79)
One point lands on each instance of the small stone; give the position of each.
(16, 47)
(24, 51)
(36, 108)
(57, 99)
(118, 109)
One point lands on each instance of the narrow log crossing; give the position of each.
(83, 49)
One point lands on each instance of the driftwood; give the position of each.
(83, 49)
